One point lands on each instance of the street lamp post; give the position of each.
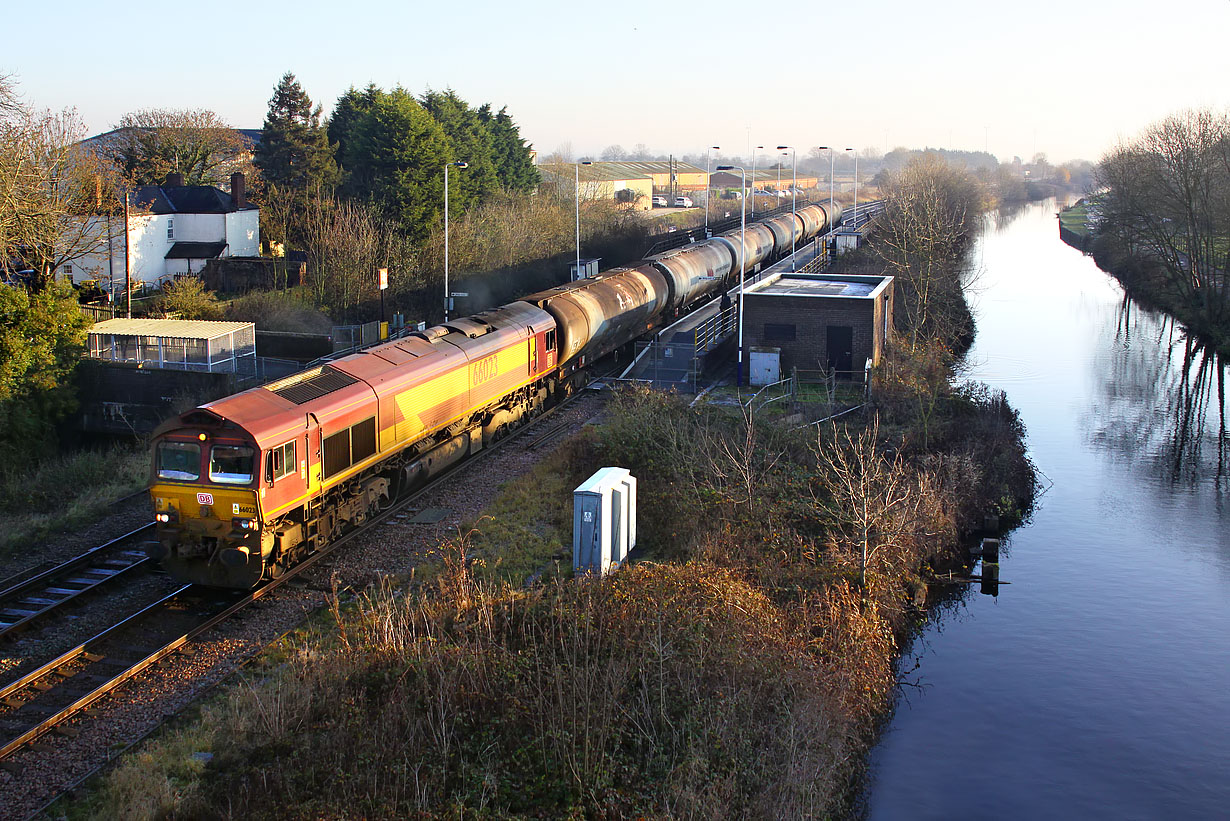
(578, 194)
(447, 297)
(742, 259)
(754, 178)
(708, 185)
(794, 190)
(832, 158)
(855, 217)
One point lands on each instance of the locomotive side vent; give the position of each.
(311, 384)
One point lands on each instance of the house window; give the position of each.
(170, 230)
(779, 333)
(68, 269)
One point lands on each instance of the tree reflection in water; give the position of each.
(1161, 398)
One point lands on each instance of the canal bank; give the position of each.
(1094, 685)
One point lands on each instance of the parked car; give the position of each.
(683, 202)
(659, 202)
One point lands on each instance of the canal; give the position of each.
(1097, 683)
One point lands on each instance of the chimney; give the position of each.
(175, 180)
(238, 195)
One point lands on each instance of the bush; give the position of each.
(287, 311)
(187, 298)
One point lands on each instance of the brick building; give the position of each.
(816, 322)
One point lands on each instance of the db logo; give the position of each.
(204, 498)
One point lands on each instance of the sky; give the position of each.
(1063, 78)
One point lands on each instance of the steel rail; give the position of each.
(35, 597)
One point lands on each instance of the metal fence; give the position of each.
(667, 364)
(716, 328)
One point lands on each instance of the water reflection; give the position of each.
(1161, 399)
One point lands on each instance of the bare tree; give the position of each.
(1168, 200)
(929, 208)
(873, 505)
(49, 187)
(150, 144)
(346, 243)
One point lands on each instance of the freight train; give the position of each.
(248, 486)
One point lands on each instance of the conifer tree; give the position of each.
(514, 165)
(294, 153)
(471, 143)
(394, 155)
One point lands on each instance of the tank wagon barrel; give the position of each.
(696, 271)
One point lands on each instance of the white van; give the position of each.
(683, 202)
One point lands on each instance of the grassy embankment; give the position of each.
(739, 669)
(65, 492)
(1076, 219)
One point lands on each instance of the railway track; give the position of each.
(24, 601)
(43, 699)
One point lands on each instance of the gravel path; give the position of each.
(32, 777)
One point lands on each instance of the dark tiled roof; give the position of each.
(185, 199)
(195, 250)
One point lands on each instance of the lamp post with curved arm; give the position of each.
(742, 259)
(447, 297)
(754, 180)
(832, 159)
(708, 185)
(794, 189)
(578, 197)
(855, 217)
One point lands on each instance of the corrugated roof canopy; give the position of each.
(178, 328)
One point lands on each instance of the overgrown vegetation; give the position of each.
(63, 492)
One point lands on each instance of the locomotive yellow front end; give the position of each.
(207, 508)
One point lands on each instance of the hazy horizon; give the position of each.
(1058, 79)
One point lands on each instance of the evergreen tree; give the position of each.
(472, 144)
(41, 338)
(514, 165)
(394, 157)
(294, 153)
(349, 110)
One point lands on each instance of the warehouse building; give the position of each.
(601, 181)
(817, 322)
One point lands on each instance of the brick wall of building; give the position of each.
(811, 316)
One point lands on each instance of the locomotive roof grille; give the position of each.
(308, 385)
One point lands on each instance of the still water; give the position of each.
(1096, 684)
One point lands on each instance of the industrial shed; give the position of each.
(178, 344)
(818, 322)
(601, 181)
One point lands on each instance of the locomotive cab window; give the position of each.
(279, 462)
(179, 460)
(551, 340)
(230, 465)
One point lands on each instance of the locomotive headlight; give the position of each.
(162, 517)
(245, 524)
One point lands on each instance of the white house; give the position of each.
(173, 229)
